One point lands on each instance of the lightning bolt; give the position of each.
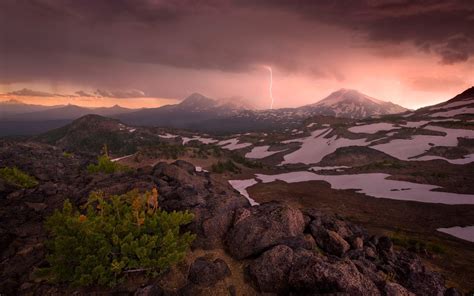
(271, 84)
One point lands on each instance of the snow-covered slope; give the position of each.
(460, 105)
(353, 104)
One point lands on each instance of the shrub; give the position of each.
(416, 245)
(68, 154)
(244, 161)
(221, 167)
(105, 165)
(16, 177)
(117, 235)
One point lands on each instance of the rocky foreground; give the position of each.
(272, 247)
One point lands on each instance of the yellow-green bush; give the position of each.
(115, 236)
(16, 177)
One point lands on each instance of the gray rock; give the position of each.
(205, 273)
(329, 241)
(267, 225)
(270, 272)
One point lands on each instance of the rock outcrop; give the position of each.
(278, 249)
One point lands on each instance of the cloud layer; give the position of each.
(166, 47)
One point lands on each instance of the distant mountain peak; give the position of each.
(345, 94)
(351, 103)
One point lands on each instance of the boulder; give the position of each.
(271, 270)
(328, 240)
(266, 226)
(394, 289)
(315, 274)
(205, 273)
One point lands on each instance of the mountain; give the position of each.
(12, 107)
(67, 112)
(459, 106)
(190, 112)
(352, 104)
(91, 132)
(24, 119)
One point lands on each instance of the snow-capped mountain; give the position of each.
(352, 104)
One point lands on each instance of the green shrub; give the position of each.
(105, 165)
(68, 154)
(18, 178)
(416, 245)
(116, 236)
(227, 166)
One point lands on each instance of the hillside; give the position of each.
(90, 133)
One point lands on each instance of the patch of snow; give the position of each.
(123, 157)
(311, 124)
(200, 169)
(315, 147)
(167, 136)
(465, 233)
(450, 113)
(376, 185)
(241, 186)
(372, 128)
(198, 138)
(132, 130)
(260, 152)
(406, 149)
(233, 144)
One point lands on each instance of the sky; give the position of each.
(147, 53)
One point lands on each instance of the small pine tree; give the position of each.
(116, 235)
(107, 166)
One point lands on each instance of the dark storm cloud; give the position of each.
(442, 26)
(94, 41)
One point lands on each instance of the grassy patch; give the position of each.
(17, 177)
(417, 245)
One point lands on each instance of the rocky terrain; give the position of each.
(240, 250)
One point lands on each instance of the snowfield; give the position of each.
(200, 139)
(260, 152)
(453, 104)
(450, 113)
(407, 149)
(315, 147)
(465, 233)
(372, 128)
(233, 144)
(242, 185)
(376, 185)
